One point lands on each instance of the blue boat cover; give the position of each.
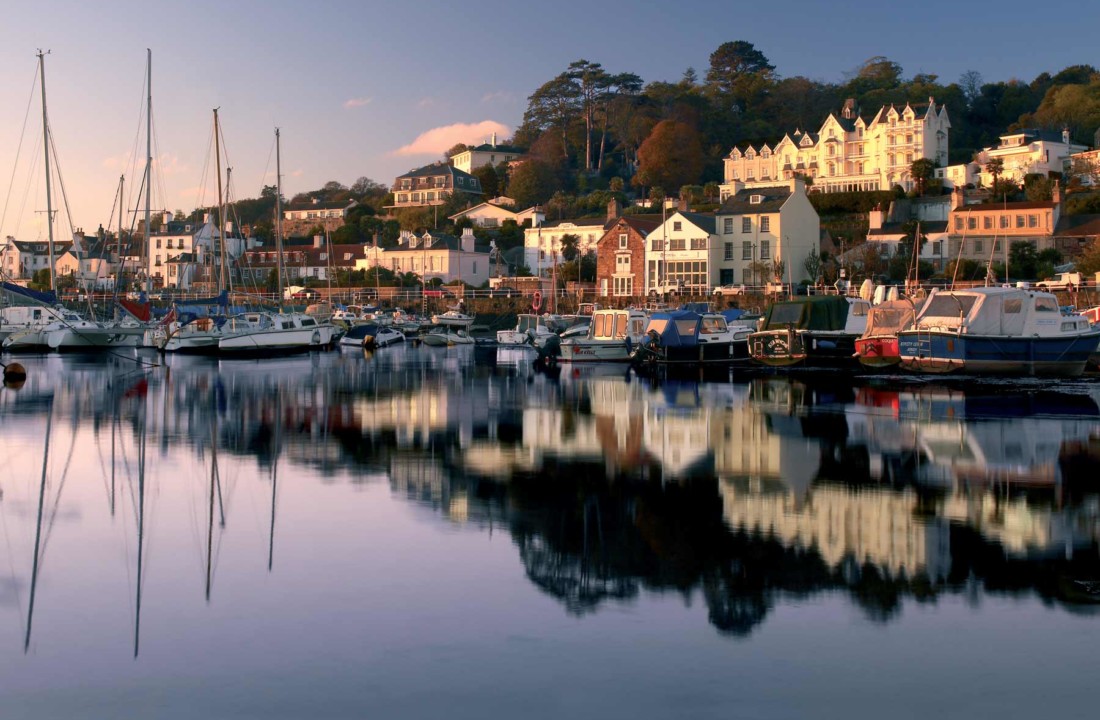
(39, 296)
(732, 314)
(676, 328)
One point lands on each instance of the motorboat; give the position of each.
(815, 331)
(453, 318)
(878, 347)
(529, 330)
(684, 337)
(24, 327)
(269, 333)
(372, 335)
(1002, 330)
(446, 336)
(611, 337)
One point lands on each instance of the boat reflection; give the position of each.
(746, 494)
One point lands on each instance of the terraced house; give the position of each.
(432, 185)
(848, 153)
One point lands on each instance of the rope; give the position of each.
(19, 149)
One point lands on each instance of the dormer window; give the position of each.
(765, 153)
(750, 154)
(755, 199)
(806, 140)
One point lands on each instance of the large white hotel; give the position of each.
(848, 153)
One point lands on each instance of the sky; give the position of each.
(376, 88)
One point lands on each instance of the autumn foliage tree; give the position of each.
(671, 156)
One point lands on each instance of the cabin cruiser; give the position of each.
(815, 331)
(372, 335)
(529, 330)
(683, 337)
(263, 333)
(447, 336)
(1003, 330)
(878, 347)
(611, 337)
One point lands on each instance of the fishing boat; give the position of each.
(611, 337)
(816, 331)
(878, 347)
(529, 330)
(683, 337)
(1001, 330)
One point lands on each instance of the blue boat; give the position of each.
(997, 330)
(683, 337)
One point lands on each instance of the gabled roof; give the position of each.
(489, 147)
(771, 200)
(641, 224)
(436, 170)
(706, 223)
(1078, 226)
(41, 247)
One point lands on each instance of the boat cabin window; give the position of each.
(658, 326)
(1046, 304)
(1013, 306)
(635, 327)
(286, 324)
(785, 313)
(686, 327)
(527, 322)
(951, 306)
(603, 325)
(308, 322)
(858, 309)
(713, 326)
(620, 326)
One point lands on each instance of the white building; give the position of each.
(1029, 152)
(20, 260)
(887, 229)
(486, 154)
(849, 153)
(493, 213)
(542, 243)
(201, 241)
(683, 251)
(960, 175)
(317, 210)
(432, 256)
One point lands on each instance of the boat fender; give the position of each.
(316, 337)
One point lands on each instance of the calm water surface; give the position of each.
(438, 533)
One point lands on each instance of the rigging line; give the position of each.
(19, 149)
(56, 503)
(160, 174)
(60, 180)
(137, 137)
(31, 173)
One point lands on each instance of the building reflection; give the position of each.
(746, 494)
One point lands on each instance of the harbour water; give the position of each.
(432, 532)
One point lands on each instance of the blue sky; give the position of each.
(352, 83)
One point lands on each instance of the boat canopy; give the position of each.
(676, 328)
(991, 311)
(890, 318)
(39, 296)
(732, 314)
(816, 312)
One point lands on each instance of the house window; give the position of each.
(622, 264)
(987, 223)
(677, 244)
(727, 226)
(1032, 221)
(698, 243)
(623, 286)
(936, 247)
(971, 223)
(958, 223)
(765, 224)
(978, 245)
(1019, 221)
(475, 267)
(729, 251)
(765, 249)
(746, 224)
(1004, 222)
(622, 241)
(158, 243)
(658, 245)
(676, 226)
(755, 199)
(996, 246)
(746, 250)
(746, 276)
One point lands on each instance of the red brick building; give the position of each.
(620, 257)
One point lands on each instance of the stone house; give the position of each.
(620, 257)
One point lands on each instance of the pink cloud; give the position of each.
(357, 102)
(438, 140)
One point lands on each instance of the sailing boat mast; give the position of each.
(279, 217)
(46, 149)
(221, 210)
(148, 162)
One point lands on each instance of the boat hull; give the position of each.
(718, 353)
(878, 351)
(578, 351)
(274, 341)
(794, 348)
(946, 352)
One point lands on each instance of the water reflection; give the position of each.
(744, 494)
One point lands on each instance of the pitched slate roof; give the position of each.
(704, 222)
(488, 147)
(988, 206)
(440, 241)
(771, 200)
(896, 228)
(1078, 226)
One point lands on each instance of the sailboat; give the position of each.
(269, 333)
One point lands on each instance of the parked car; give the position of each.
(729, 290)
(671, 288)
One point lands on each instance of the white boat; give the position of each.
(453, 318)
(529, 329)
(267, 333)
(1003, 330)
(88, 334)
(371, 335)
(22, 326)
(611, 337)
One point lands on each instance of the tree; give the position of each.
(1089, 260)
(554, 105)
(591, 82)
(812, 265)
(971, 84)
(615, 184)
(365, 186)
(490, 182)
(456, 149)
(671, 156)
(570, 246)
(1038, 188)
(739, 72)
(922, 171)
(532, 183)
(996, 168)
(1022, 259)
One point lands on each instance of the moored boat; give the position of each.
(682, 337)
(1000, 330)
(878, 347)
(529, 329)
(611, 337)
(816, 331)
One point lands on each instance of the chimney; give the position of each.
(682, 205)
(798, 185)
(206, 218)
(315, 201)
(318, 241)
(957, 200)
(1065, 135)
(494, 139)
(614, 210)
(167, 218)
(1056, 192)
(467, 240)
